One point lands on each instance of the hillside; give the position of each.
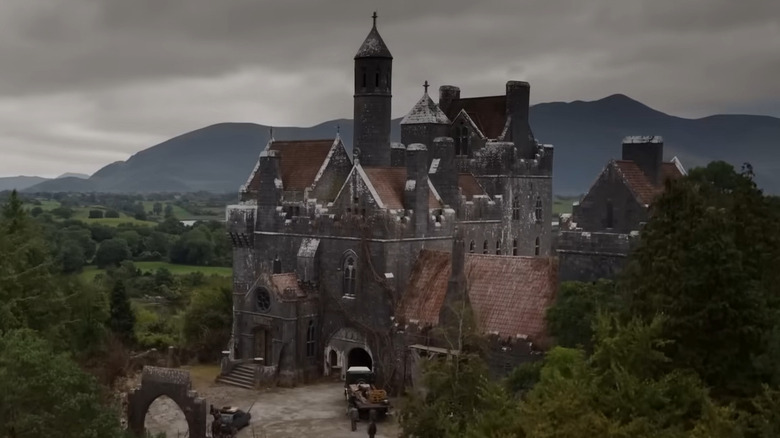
(585, 135)
(19, 182)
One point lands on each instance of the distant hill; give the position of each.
(19, 182)
(586, 135)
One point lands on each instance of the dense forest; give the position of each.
(684, 343)
(66, 337)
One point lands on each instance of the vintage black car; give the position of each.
(234, 417)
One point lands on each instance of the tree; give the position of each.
(112, 252)
(112, 214)
(576, 308)
(208, 318)
(46, 394)
(168, 211)
(157, 208)
(36, 211)
(72, 257)
(122, 319)
(62, 212)
(96, 214)
(708, 260)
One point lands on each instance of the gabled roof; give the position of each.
(286, 287)
(509, 295)
(390, 183)
(640, 185)
(373, 46)
(488, 113)
(425, 111)
(300, 161)
(469, 186)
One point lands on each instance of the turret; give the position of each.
(373, 95)
(424, 122)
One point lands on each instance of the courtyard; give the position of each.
(313, 410)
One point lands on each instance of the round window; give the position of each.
(263, 299)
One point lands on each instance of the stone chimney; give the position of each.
(442, 171)
(269, 190)
(448, 94)
(397, 152)
(416, 191)
(648, 153)
(456, 296)
(518, 95)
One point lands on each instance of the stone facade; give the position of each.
(604, 226)
(325, 241)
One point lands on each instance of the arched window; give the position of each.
(462, 140)
(498, 247)
(514, 247)
(350, 270)
(311, 340)
(537, 249)
(538, 210)
(471, 247)
(516, 208)
(485, 248)
(610, 214)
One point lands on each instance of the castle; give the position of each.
(349, 258)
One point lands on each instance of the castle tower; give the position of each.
(373, 94)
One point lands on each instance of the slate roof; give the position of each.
(389, 183)
(425, 111)
(640, 185)
(300, 161)
(488, 113)
(469, 186)
(373, 46)
(509, 295)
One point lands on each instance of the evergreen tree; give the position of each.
(122, 319)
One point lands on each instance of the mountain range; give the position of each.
(585, 135)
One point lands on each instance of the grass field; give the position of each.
(90, 272)
(82, 214)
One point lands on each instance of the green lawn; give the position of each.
(90, 272)
(82, 214)
(183, 214)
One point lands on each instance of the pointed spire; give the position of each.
(373, 46)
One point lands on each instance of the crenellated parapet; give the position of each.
(482, 208)
(502, 158)
(597, 243)
(240, 221)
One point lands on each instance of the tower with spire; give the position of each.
(373, 95)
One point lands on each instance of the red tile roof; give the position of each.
(469, 186)
(510, 295)
(488, 113)
(638, 182)
(389, 183)
(300, 161)
(286, 287)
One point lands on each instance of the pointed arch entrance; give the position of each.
(349, 347)
(358, 357)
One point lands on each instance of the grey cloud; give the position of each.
(150, 69)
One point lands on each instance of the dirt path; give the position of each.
(316, 410)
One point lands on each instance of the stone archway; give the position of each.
(176, 384)
(359, 357)
(343, 341)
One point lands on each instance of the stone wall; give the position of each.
(585, 256)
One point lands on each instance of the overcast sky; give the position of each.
(87, 82)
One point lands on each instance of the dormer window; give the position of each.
(462, 138)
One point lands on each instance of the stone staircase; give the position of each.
(242, 375)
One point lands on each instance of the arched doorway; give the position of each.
(333, 359)
(359, 357)
(165, 416)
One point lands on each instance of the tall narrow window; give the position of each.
(463, 140)
(349, 274)
(538, 210)
(516, 208)
(485, 248)
(514, 247)
(376, 79)
(610, 214)
(538, 247)
(471, 247)
(311, 340)
(364, 78)
(498, 247)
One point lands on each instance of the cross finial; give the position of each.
(425, 85)
(374, 17)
